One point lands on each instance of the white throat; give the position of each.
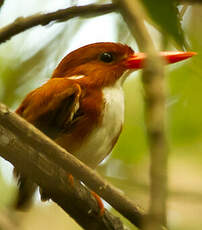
(101, 141)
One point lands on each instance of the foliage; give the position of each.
(166, 15)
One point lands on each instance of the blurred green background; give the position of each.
(27, 61)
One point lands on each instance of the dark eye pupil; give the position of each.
(106, 57)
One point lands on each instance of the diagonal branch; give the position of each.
(153, 82)
(47, 164)
(21, 24)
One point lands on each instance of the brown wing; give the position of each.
(52, 107)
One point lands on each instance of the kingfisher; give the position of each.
(81, 107)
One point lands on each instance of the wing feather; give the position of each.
(52, 106)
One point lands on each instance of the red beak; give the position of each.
(137, 60)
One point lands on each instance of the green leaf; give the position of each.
(165, 14)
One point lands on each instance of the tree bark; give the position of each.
(39, 158)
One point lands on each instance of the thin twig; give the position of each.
(21, 24)
(1, 3)
(183, 11)
(153, 82)
(33, 153)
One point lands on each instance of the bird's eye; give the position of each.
(106, 57)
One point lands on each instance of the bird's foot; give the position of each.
(99, 202)
(95, 195)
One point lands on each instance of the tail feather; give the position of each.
(25, 193)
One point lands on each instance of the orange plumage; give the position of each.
(82, 106)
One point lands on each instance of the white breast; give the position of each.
(114, 110)
(100, 143)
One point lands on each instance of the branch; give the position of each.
(47, 164)
(1, 3)
(153, 82)
(21, 24)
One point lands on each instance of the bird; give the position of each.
(81, 107)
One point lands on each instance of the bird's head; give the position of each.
(104, 63)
